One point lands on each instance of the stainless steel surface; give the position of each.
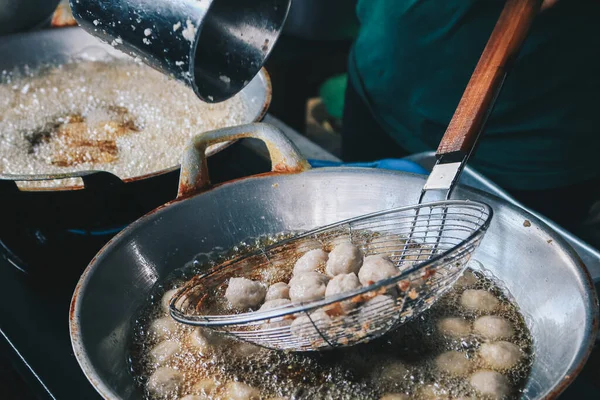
(447, 232)
(194, 170)
(22, 15)
(536, 265)
(443, 176)
(58, 46)
(214, 46)
(589, 255)
(322, 20)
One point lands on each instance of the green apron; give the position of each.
(413, 58)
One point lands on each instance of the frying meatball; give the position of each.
(274, 304)
(344, 259)
(453, 363)
(166, 299)
(490, 383)
(381, 307)
(241, 391)
(500, 355)
(310, 261)
(163, 327)
(454, 327)
(467, 279)
(279, 290)
(163, 351)
(268, 305)
(394, 396)
(432, 392)
(308, 286)
(164, 381)
(376, 268)
(493, 328)
(479, 300)
(205, 340)
(392, 373)
(302, 326)
(342, 283)
(244, 293)
(206, 388)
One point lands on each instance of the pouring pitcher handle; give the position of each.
(194, 178)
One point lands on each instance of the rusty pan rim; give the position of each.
(581, 356)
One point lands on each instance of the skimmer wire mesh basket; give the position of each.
(429, 244)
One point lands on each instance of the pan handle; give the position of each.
(486, 82)
(194, 178)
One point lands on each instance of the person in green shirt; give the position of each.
(412, 60)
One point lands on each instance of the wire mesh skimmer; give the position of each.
(429, 244)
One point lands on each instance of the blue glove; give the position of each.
(395, 164)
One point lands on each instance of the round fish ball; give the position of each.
(376, 268)
(490, 383)
(163, 351)
(311, 261)
(467, 279)
(454, 327)
(244, 293)
(241, 391)
(205, 340)
(394, 396)
(342, 283)
(379, 313)
(432, 392)
(303, 327)
(308, 286)
(493, 328)
(163, 327)
(166, 299)
(344, 259)
(479, 300)
(279, 290)
(206, 388)
(391, 373)
(500, 355)
(164, 381)
(453, 363)
(271, 304)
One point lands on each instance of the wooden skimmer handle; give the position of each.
(481, 92)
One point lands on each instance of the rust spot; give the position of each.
(404, 285)
(284, 168)
(549, 241)
(412, 294)
(335, 310)
(526, 223)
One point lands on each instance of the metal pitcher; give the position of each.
(214, 46)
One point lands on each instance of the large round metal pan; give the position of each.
(58, 46)
(537, 267)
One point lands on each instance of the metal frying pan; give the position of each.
(539, 269)
(61, 45)
(53, 221)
